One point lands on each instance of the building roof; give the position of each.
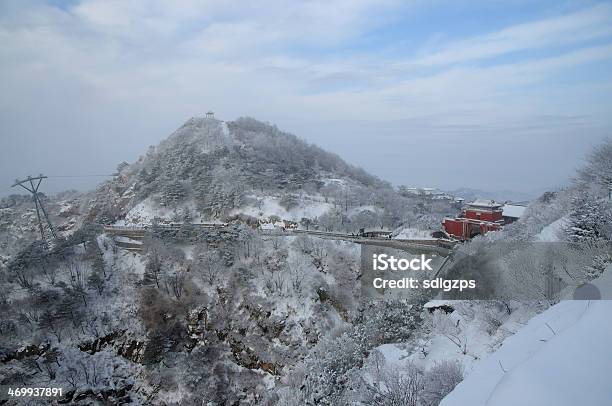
(490, 204)
(513, 210)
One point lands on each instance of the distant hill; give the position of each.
(210, 169)
(498, 195)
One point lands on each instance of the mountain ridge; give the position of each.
(211, 170)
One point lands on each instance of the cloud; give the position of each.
(583, 25)
(118, 75)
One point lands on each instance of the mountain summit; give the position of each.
(210, 169)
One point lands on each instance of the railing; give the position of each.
(112, 228)
(444, 244)
(426, 244)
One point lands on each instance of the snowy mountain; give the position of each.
(229, 315)
(211, 170)
(240, 315)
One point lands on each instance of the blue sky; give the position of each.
(485, 94)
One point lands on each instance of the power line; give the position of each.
(67, 176)
(31, 184)
(71, 176)
(80, 176)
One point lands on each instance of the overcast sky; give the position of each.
(491, 94)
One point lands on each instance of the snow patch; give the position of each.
(513, 210)
(413, 234)
(553, 231)
(560, 358)
(270, 206)
(225, 129)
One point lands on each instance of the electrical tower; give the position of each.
(31, 184)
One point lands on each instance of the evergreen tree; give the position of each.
(589, 218)
(173, 192)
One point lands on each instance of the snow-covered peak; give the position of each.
(207, 132)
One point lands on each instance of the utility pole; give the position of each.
(31, 184)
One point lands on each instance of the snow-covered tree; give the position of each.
(590, 218)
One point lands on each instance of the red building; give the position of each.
(478, 217)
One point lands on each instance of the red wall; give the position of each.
(454, 228)
(459, 228)
(484, 215)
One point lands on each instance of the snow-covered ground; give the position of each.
(144, 212)
(557, 357)
(413, 234)
(334, 181)
(225, 129)
(562, 357)
(553, 231)
(270, 206)
(360, 209)
(466, 335)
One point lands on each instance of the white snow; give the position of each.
(144, 212)
(334, 181)
(562, 357)
(464, 336)
(188, 250)
(393, 353)
(225, 129)
(360, 209)
(513, 210)
(604, 284)
(484, 203)
(553, 231)
(127, 240)
(413, 234)
(267, 226)
(270, 206)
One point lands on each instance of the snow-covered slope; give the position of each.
(553, 231)
(269, 206)
(562, 357)
(413, 234)
(468, 334)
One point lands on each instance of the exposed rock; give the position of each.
(25, 352)
(129, 349)
(197, 324)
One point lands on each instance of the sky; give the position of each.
(496, 95)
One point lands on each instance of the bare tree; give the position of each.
(49, 321)
(78, 271)
(391, 387)
(51, 361)
(49, 272)
(153, 269)
(175, 283)
(25, 277)
(96, 282)
(439, 381)
(209, 264)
